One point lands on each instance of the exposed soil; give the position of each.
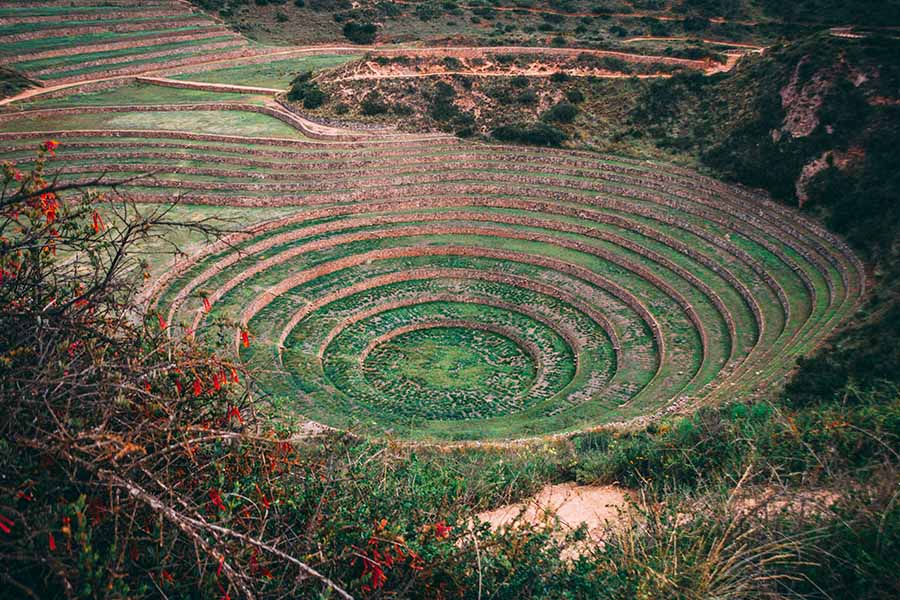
(600, 508)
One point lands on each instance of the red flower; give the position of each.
(50, 146)
(198, 388)
(206, 304)
(162, 322)
(49, 204)
(441, 531)
(98, 222)
(6, 524)
(178, 386)
(245, 338)
(167, 576)
(236, 413)
(216, 500)
(256, 568)
(51, 542)
(377, 578)
(216, 383)
(234, 376)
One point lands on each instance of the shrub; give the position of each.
(527, 97)
(452, 63)
(426, 12)
(303, 89)
(561, 113)
(373, 104)
(360, 33)
(536, 134)
(314, 97)
(575, 96)
(519, 81)
(403, 110)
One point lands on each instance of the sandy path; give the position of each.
(509, 73)
(600, 508)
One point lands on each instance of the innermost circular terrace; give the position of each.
(455, 368)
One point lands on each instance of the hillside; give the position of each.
(814, 123)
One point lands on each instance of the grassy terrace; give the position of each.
(136, 94)
(274, 74)
(110, 39)
(643, 284)
(211, 121)
(549, 291)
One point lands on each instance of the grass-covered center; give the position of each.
(456, 367)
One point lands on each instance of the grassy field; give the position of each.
(274, 74)
(136, 94)
(216, 122)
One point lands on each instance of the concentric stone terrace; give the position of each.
(447, 290)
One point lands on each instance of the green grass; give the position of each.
(46, 63)
(136, 94)
(447, 387)
(160, 249)
(275, 74)
(46, 25)
(24, 47)
(138, 62)
(217, 122)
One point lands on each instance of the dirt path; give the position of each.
(599, 508)
(509, 73)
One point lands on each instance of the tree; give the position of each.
(563, 112)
